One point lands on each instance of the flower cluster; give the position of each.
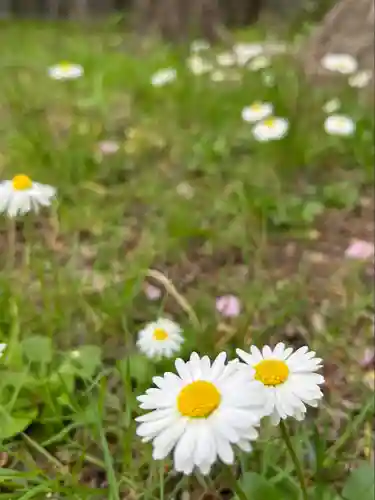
(206, 407)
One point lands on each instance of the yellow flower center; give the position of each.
(21, 182)
(198, 399)
(257, 106)
(160, 334)
(269, 123)
(271, 372)
(65, 65)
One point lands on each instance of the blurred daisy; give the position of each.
(339, 125)
(221, 76)
(270, 129)
(2, 349)
(22, 195)
(65, 71)
(260, 62)
(201, 412)
(288, 377)
(228, 306)
(152, 292)
(332, 106)
(246, 51)
(361, 79)
(226, 59)
(257, 111)
(340, 63)
(161, 338)
(198, 66)
(199, 45)
(163, 77)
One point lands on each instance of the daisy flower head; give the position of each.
(339, 125)
(199, 46)
(340, 63)
(226, 59)
(361, 79)
(2, 349)
(270, 129)
(247, 51)
(21, 195)
(198, 65)
(163, 77)
(161, 338)
(332, 106)
(201, 411)
(259, 63)
(65, 71)
(257, 111)
(289, 379)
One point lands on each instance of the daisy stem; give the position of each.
(11, 243)
(241, 495)
(297, 464)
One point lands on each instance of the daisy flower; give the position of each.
(199, 45)
(108, 147)
(339, 125)
(260, 62)
(2, 349)
(360, 249)
(361, 79)
(226, 59)
(22, 195)
(289, 378)
(201, 411)
(332, 106)
(163, 77)
(340, 63)
(65, 71)
(270, 129)
(246, 51)
(198, 66)
(257, 111)
(161, 338)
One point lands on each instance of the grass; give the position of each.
(268, 222)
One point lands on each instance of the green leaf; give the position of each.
(88, 360)
(11, 425)
(37, 349)
(140, 368)
(360, 484)
(257, 487)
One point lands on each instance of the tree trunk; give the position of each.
(347, 28)
(178, 20)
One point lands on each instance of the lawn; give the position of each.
(183, 206)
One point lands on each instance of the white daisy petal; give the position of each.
(340, 63)
(163, 77)
(361, 79)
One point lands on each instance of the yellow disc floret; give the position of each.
(198, 399)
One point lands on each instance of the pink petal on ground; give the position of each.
(152, 292)
(368, 358)
(228, 305)
(361, 250)
(108, 147)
